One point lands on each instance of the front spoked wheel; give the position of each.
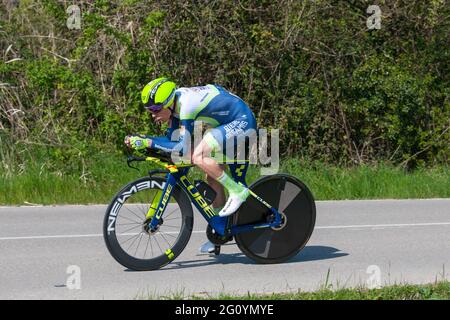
(124, 228)
(296, 205)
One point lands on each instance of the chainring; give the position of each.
(216, 238)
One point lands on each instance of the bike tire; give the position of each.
(113, 213)
(289, 195)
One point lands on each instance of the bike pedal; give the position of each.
(216, 250)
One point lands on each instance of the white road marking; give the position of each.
(59, 236)
(394, 225)
(364, 226)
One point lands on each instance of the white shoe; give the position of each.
(233, 203)
(207, 247)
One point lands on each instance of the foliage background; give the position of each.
(340, 93)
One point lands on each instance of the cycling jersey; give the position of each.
(225, 112)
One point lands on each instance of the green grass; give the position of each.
(371, 182)
(435, 291)
(97, 178)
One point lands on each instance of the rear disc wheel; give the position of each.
(296, 205)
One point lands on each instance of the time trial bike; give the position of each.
(149, 222)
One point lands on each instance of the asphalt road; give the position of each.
(354, 243)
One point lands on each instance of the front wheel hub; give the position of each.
(146, 226)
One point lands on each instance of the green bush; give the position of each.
(339, 92)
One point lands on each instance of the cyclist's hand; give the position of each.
(137, 142)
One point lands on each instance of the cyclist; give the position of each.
(226, 113)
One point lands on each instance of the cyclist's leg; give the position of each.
(219, 201)
(215, 141)
(202, 158)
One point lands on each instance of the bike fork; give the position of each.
(162, 201)
(154, 205)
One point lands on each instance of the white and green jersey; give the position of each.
(212, 105)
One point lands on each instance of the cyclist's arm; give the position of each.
(163, 143)
(166, 144)
(175, 124)
(182, 145)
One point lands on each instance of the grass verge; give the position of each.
(435, 291)
(95, 179)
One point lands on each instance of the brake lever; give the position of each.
(131, 159)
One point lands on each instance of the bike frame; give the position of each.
(222, 225)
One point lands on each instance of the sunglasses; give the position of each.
(153, 107)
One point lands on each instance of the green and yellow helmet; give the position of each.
(158, 94)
